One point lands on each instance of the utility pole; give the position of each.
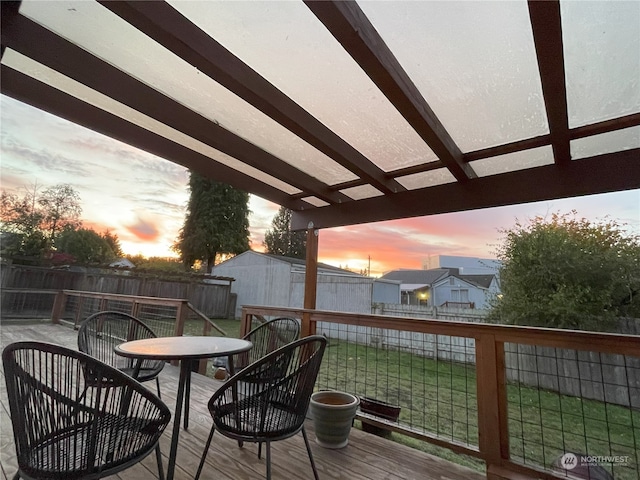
(369, 267)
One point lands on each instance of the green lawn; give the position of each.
(439, 397)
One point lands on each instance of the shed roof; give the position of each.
(349, 112)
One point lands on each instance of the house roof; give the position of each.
(302, 262)
(482, 281)
(349, 112)
(293, 261)
(417, 278)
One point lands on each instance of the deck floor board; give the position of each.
(367, 457)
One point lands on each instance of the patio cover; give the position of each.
(349, 112)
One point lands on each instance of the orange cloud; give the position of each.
(144, 231)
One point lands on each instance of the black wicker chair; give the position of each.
(266, 338)
(273, 408)
(102, 331)
(63, 430)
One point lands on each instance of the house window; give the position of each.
(461, 295)
(451, 281)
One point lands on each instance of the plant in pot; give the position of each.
(380, 409)
(333, 413)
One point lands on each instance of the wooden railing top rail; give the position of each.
(205, 319)
(119, 296)
(614, 343)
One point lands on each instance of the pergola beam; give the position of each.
(547, 35)
(37, 94)
(599, 174)
(57, 53)
(170, 28)
(350, 26)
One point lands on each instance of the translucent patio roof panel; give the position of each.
(514, 161)
(67, 85)
(602, 57)
(349, 112)
(97, 30)
(427, 179)
(286, 44)
(626, 139)
(474, 62)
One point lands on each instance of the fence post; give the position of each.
(58, 306)
(493, 433)
(181, 317)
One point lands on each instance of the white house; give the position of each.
(445, 287)
(272, 280)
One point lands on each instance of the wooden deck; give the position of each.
(367, 457)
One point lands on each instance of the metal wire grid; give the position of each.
(160, 318)
(431, 377)
(24, 304)
(574, 402)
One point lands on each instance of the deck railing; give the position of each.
(165, 316)
(520, 399)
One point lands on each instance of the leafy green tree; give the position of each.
(217, 222)
(21, 220)
(567, 272)
(114, 242)
(20, 215)
(281, 240)
(61, 209)
(85, 245)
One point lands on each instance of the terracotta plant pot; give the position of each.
(379, 409)
(333, 413)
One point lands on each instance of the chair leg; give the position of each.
(158, 386)
(204, 454)
(17, 475)
(313, 463)
(259, 450)
(159, 460)
(268, 460)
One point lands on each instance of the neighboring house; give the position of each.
(272, 280)
(122, 263)
(464, 291)
(416, 285)
(445, 287)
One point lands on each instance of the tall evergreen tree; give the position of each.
(281, 240)
(217, 222)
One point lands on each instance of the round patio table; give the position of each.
(187, 350)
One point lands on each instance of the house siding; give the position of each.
(264, 280)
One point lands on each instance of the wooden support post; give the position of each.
(58, 306)
(492, 401)
(310, 281)
(182, 312)
(245, 322)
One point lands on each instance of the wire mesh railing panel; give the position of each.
(21, 304)
(160, 318)
(574, 412)
(432, 378)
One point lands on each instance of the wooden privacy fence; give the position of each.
(479, 407)
(209, 294)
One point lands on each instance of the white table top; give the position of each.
(176, 348)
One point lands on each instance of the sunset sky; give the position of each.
(142, 199)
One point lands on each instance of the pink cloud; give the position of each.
(144, 231)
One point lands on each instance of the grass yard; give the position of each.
(439, 397)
